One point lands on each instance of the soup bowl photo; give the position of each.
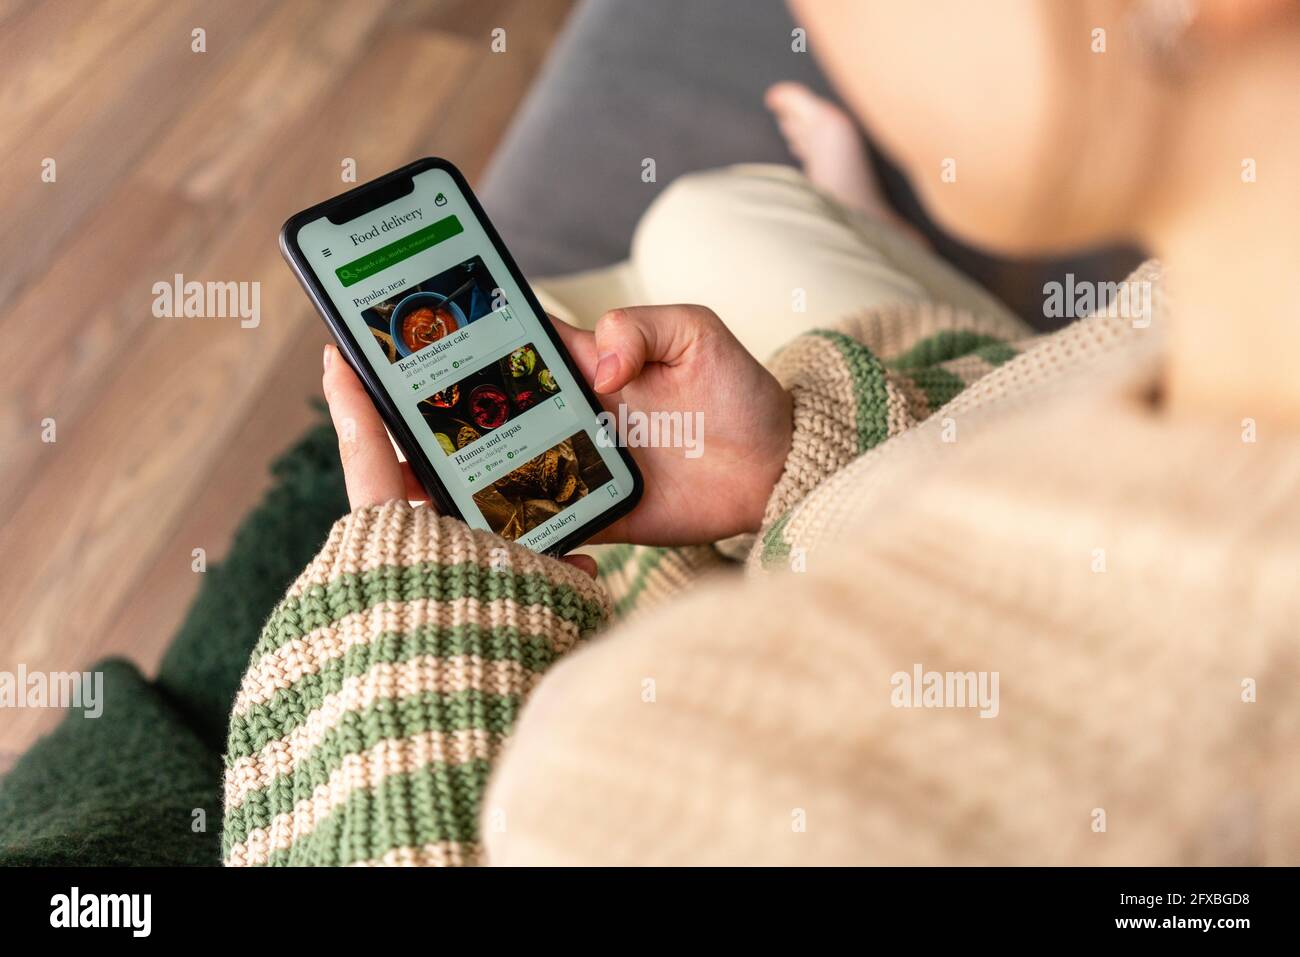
(422, 318)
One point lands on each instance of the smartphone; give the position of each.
(474, 384)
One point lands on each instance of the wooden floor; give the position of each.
(170, 161)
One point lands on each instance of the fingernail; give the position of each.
(606, 368)
(325, 361)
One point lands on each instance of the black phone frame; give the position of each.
(380, 192)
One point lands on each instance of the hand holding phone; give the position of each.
(656, 359)
(371, 468)
(500, 426)
(464, 369)
(682, 360)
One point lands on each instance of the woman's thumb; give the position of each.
(627, 339)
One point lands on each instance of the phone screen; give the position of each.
(469, 366)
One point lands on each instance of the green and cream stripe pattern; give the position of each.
(384, 686)
(387, 681)
(642, 577)
(874, 376)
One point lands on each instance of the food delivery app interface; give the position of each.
(468, 364)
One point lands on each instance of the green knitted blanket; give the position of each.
(141, 784)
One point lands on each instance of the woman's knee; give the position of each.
(705, 206)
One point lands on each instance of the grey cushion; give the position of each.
(679, 81)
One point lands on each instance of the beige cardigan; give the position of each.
(1038, 622)
(1131, 579)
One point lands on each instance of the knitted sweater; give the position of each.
(385, 683)
(958, 499)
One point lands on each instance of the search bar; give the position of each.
(396, 251)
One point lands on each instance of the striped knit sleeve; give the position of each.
(870, 378)
(383, 687)
(641, 577)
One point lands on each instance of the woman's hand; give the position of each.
(683, 359)
(679, 360)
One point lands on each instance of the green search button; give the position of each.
(396, 251)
